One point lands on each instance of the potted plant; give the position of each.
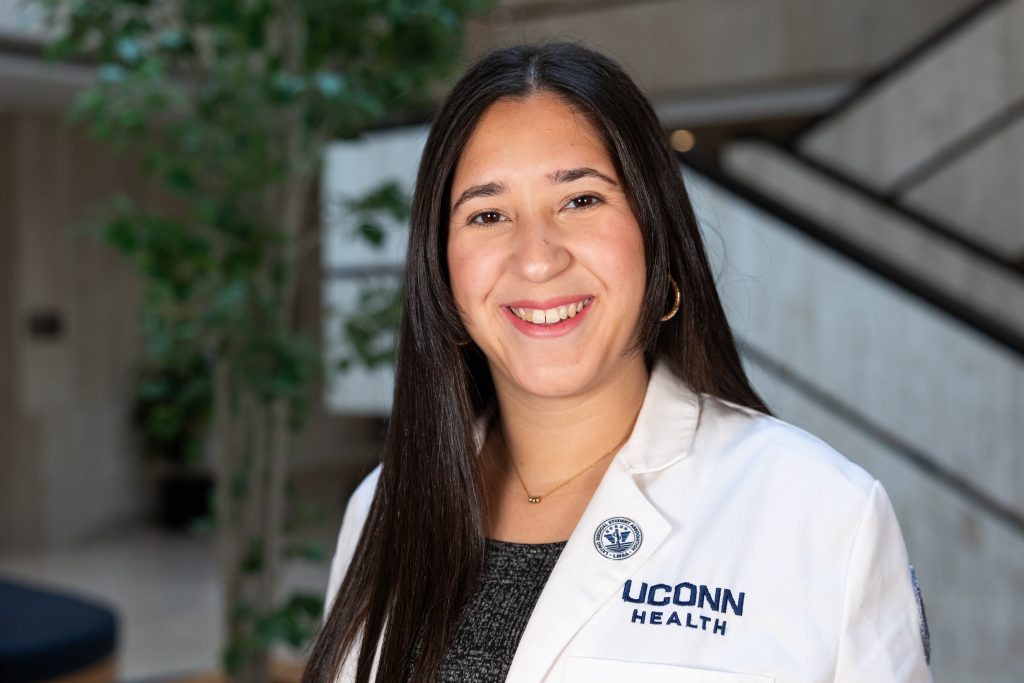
(171, 413)
(229, 106)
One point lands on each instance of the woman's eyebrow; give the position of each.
(557, 177)
(569, 175)
(485, 190)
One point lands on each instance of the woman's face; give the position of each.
(545, 255)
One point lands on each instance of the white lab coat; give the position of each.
(765, 556)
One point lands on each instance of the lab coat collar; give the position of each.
(666, 425)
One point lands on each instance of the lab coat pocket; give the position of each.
(593, 670)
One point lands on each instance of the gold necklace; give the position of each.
(537, 499)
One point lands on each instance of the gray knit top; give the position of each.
(495, 614)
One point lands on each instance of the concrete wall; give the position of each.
(946, 265)
(955, 89)
(907, 366)
(918, 379)
(982, 193)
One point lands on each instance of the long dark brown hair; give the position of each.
(402, 574)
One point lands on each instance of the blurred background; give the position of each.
(220, 330)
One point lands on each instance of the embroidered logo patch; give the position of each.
(618, 538)
(922, 620)
(684, 604)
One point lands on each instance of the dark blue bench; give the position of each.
(47, 635)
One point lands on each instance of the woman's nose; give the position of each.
(540, 250)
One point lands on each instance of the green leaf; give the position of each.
(204, 526)
(122, 235)
(111, 74)
(128, 49)
(173, 40)
(180, 177)
(285, 87)
(310, 551)
(243, 610)
(252, 560)
(61, 49)
(388, 198)
(372, 233)
(330, 84)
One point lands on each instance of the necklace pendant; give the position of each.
(533, 499)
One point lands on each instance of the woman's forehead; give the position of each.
(535, 137)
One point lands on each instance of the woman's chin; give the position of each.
(549, 380)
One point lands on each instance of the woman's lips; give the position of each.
(568, 311)
(549, 303)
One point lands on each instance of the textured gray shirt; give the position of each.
(495, 615)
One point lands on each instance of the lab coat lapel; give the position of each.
(583, 579)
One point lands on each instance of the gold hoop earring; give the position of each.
(675, 306)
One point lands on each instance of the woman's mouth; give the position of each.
(550, 316)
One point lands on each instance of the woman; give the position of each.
(579, 482)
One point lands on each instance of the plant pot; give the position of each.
(183, 498)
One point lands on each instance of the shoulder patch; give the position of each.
(921, 619)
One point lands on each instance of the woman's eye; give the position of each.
(584, 201)
(486, 218)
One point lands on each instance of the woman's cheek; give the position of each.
(468, 272)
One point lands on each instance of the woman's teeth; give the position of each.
(550, 316)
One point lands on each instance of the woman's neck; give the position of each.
(550, 439)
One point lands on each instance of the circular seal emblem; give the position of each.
(618, 538)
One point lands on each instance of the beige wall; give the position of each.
(19, 479)
(7, 246)
(68, 469)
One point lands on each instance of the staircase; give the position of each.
(873, 267)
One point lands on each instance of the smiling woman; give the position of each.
(579, 482)
(555, 231)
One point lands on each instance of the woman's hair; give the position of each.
(422, 544)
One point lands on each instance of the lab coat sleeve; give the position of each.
(880, 636)
(348, 536)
